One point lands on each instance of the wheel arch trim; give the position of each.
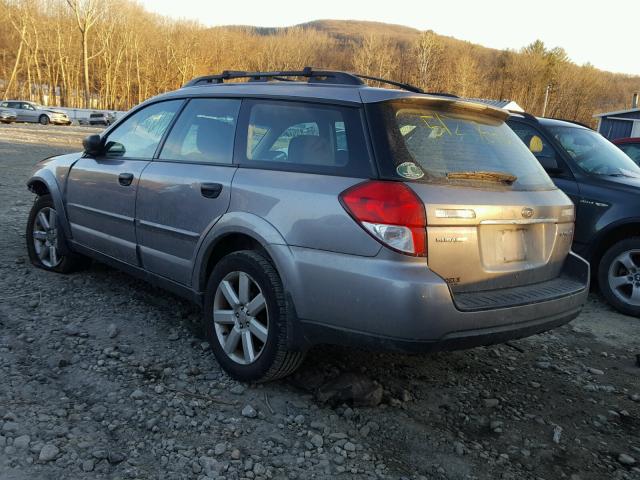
(252, 226)
(47, 178)
(597, 248)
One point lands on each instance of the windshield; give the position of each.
(455, 145)
(593, 153)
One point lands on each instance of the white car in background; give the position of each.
(34, 113)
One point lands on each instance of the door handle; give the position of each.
(125, 179)
(211, 190)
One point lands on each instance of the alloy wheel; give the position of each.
(45, 237)
(624, 277)
(240, 317)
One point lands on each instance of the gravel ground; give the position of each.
(103, 376)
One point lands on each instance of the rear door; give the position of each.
(101, 190)
(185, 190)
(20, 112)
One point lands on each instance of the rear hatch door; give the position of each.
(495, 219)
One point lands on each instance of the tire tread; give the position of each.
(71, 262)
(614, 250)
(285, 361)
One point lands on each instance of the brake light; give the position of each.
(391, 212)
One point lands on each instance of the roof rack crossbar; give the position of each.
(313, 76)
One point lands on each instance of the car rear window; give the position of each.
(427, 142)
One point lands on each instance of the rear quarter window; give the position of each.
(304, 137)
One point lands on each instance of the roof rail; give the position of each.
(313, 76)
(536, 119)
(575, 122)
(404, 86)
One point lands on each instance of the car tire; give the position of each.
(43, 240)
(235, 332)
(619, 276)
(44, 120)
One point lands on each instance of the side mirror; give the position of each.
(92, 144)
(550, 164)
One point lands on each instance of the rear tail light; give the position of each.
(391, 212)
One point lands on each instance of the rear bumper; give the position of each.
(323, 334)
(391, 305)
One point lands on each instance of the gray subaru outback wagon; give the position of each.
(318, 210)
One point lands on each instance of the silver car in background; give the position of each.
(34, 113)
(7, 116)
(101, 118)
(319, 211)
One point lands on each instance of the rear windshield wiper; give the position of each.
(483, 176)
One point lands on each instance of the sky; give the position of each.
(604, 34)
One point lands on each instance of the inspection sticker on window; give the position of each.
(409, 170)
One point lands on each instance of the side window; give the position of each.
(139, 135)
(533, 140)
(4, 104)
(280, 148)
(341, 137)
(27, 106)
(304, 137)
(204, 132)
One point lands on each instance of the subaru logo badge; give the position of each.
(527, 212)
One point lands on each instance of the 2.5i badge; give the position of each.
(409, 170)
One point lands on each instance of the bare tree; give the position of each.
(87, 13)
(114, 54)
(428, 51)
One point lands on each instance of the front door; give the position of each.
(184, 192)
(101, 189)
(29, 113)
